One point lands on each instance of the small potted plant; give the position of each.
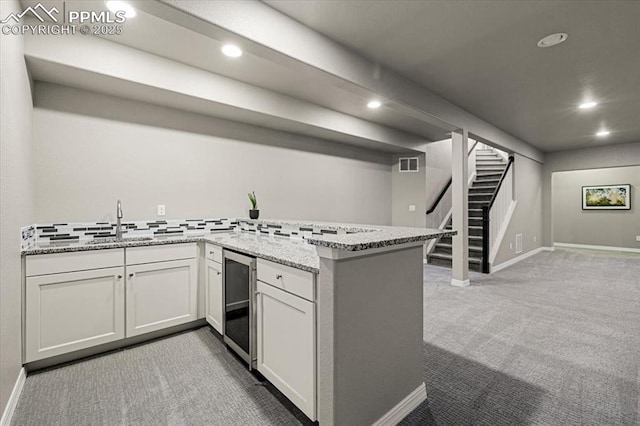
(254, 212)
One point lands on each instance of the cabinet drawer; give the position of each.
(287, 278)
(161, 253)
(213, 253)
(55, 263)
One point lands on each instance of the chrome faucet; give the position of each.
(119, 220)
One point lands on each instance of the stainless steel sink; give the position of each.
(113, 240)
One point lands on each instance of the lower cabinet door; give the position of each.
(71, 311)
(161, 295)
(286, 335)
(213, 295)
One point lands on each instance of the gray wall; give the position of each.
(527, 217)
(613, 228)
(408, 188)
(15, 198)
(619, 155)
(422, 188)
(438, 173)
(91, 149)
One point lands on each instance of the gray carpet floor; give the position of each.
(186, 379)
(553, 340)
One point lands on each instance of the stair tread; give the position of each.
(471, 237)
(449, 257)
(475, 248)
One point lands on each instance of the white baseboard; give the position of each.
(592, 247)
(403, 408)
(459, 283)
(520, 258)
(13, 399)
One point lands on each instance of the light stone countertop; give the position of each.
(295, 252)
(360, 237)
(84, 245)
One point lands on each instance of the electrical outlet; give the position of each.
(412, 208)
(161, 210)
(637, 237)
(535, 238)
(510, 246)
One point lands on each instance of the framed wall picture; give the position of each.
(606, 197)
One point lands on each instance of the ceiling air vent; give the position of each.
(409, 164)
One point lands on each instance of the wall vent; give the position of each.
(518, 243)
(409, 164)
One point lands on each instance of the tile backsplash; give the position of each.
(291, 231)
(76, 232)
(52, 233)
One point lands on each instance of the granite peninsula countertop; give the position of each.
(359, 237)
(295, 252)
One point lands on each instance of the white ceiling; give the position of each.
(482, 56)
(152, 34)
(155, 35)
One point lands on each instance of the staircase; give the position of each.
(489, 168)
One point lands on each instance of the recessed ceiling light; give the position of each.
(603, 133)
(231, 50)
(587, 105)
(553, 39)
(116, 5)
(374, 104)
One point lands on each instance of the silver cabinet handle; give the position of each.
(278, 276)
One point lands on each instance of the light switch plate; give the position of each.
(161, 210)
(412, 208)
(637, 237)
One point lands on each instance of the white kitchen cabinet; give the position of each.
(213, 294)
(286, 335)
(161, 295)
(65, 312)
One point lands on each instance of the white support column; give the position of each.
(460, 208)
